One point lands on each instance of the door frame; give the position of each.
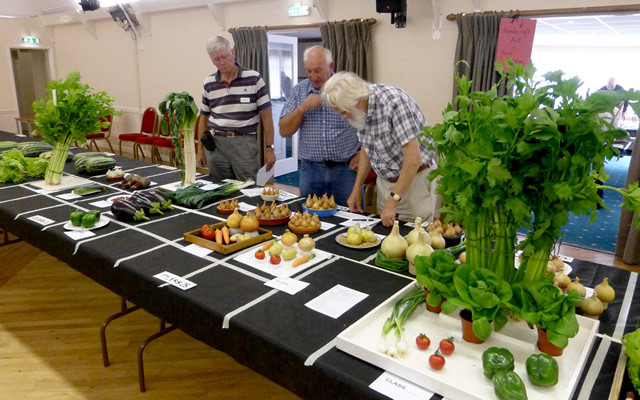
(52, 71)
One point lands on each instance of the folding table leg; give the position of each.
(124, 310)
(163, 331)
(6, 241)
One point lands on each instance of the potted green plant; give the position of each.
(70, 111)
(435, 273)
(543, 305)
(483, 297)
(181, 112)
(524, 161)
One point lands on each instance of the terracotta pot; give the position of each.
(546, 346)
(437, 309)
(467, 328)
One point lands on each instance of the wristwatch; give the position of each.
(395, 196)
(270, 146)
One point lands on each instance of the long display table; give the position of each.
(232, 310)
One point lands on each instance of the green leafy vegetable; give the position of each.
(194, 197)
(631, 343)
(435, 273)
(15, 167)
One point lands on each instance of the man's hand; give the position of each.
(200, 158)
(312, 101)
(269, 158)
(388, 214)
(353, 163)
(355, 201)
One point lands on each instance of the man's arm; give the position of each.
(410, 165)
(203, 126)
(267, 127)
(355, 199)
(290, 123)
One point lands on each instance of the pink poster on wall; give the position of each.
(515, 39)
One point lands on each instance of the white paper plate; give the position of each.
(99, 224)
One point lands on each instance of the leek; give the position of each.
(70, 111)
(181, 112)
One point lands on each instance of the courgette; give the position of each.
(47, 155)
(94, 165)
(88, 189)
(88, 154)
(33, 149)
(7, 144)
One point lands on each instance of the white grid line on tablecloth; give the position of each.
(626, 306)
(594, 369)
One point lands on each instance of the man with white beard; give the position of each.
(389, 122)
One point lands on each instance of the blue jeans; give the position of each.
(315, 178)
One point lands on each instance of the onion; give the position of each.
(306, 244)
(413, 235)
(394, 246)
(578, 287)
(288, 238)
(419, 248)
(463, 257)
(605, 293)
(450, 232)
(562, 280)
(249, 223)
(592, 306)
(437, 241)
(233, 220)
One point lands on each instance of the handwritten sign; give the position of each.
(515, 39)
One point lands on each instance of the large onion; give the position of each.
(394, 246)
(419, 248)
(249, 223)
(413, 235)
(233, 220)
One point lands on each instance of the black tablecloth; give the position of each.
(276, 335)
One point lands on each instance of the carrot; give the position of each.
(301, 260)
(219, 236)
(225, 234)
(267, 246)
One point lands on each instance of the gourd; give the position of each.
(413, 235)
(605, 293)
(394, 246)
(33, 149)
(233, 220)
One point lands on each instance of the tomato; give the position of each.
(274, 259)
(446, 346)
(436, 361)
(422, 341)
(260, 254)
(208, 232)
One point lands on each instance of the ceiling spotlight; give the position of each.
(89, 5)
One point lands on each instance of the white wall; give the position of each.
(173, 56)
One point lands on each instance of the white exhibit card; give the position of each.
(253, 192)
(210, 186)
(287, 285)
(196, 250)
(363, 222)
(242, 206)
(175, 280)
(77, 235)
(41, 220)
(101, 204)
(349, 215)
(263, 176)
(336, 301)
(284, 195)
(69, 196)
(325, 226)
(399, 389)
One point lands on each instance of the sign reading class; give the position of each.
(515, 39)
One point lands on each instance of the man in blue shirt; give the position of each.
(329, 146)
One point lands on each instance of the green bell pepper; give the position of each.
(542, 370)
(496, 359)
(76, 218)
(96, 213)
(89, 220)
(508, 386)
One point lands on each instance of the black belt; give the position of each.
(331, 164)
(229, 134)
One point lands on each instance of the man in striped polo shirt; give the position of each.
(234, 100)
(329, 146)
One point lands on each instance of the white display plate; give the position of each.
(462, 376)
(99, 224)
(284, 269)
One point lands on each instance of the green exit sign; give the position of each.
(299, 10)
(30, 39)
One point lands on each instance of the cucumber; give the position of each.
(33, 149)
(88, 189)
(88, 154)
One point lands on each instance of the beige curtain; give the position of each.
(628, 242)
(477, 44)
(350, 45)
(252, 51)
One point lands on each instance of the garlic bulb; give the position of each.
(576, 285)
(605, 293)
(592, 306)
(394, 246)
(419, 248)
(562, 280)
(413, 235)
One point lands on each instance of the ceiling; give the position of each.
(596, 30)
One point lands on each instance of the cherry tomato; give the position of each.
(208, 232)
(436, 360)
(260, 254)
(446, 346)
(422, 341)
(274, 259)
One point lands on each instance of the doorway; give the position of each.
(31, 75)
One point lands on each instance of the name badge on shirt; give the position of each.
(244, 100)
